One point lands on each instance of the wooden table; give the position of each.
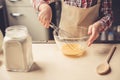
(51, 64)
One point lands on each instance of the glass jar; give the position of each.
(17, 48)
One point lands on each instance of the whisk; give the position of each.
(63, 35)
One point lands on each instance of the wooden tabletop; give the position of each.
(51, 64)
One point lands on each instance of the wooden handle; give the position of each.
(111, 52)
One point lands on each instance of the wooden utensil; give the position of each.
(105, 67)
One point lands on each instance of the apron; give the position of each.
(1, 40)
(74, 19)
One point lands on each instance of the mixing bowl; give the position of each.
(69, 44)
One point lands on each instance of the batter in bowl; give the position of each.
(72, 49)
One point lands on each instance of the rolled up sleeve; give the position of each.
(106, 14)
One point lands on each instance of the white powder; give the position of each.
(18, 50)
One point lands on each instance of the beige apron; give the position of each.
(73, 18)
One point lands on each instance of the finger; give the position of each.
(90, 30)
(42, 19)
(41, 22)
(48, 20)
(93, 37)
(40, 16)
(47, 24)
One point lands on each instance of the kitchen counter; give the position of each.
(51, 64)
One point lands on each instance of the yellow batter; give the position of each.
(73, 49)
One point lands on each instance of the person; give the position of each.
(96, 15)
(1, 40)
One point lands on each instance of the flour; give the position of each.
(18, 49)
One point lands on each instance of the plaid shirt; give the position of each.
(106, 15)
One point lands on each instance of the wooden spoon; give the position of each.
(105, 67)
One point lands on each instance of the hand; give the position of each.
(94, 31)
(45, 15)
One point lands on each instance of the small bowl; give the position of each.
(71, 46)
